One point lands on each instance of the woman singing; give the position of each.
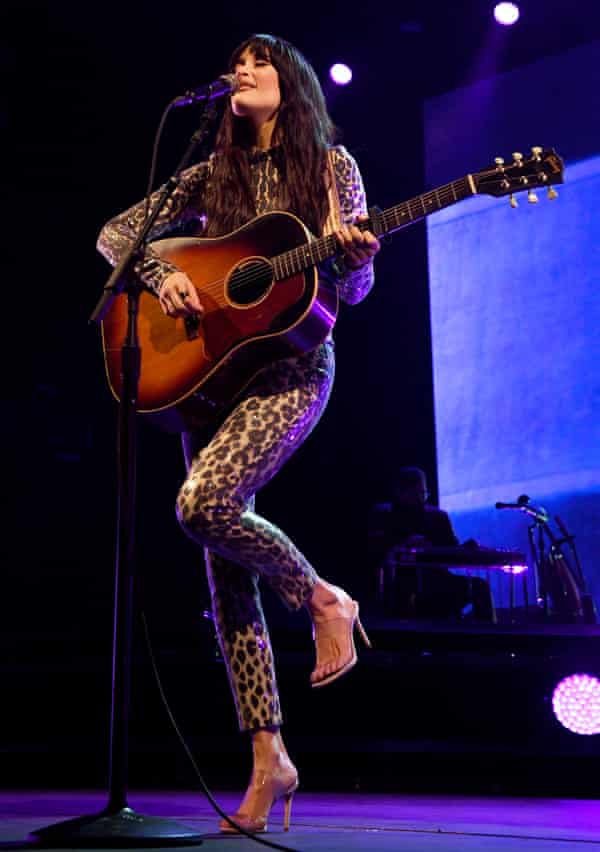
(273, 151)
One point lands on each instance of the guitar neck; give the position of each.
(380, 222)
(398, 217)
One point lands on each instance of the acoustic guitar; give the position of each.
(263, 298)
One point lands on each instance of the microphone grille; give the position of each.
(232, 81)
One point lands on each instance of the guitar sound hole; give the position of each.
(249, 282)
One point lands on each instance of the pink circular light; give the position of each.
(576, 703)
(506, 13)
(340, 74)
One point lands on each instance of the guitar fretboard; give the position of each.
(387, 222)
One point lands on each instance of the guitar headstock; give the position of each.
(543, 168)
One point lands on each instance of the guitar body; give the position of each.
(191, 370)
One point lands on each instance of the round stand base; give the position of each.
(122, 828)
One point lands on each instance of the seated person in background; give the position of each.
(429, 591)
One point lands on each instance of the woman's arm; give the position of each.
(354, 268)
(119, 233)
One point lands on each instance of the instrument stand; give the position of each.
(118, 824)
(571, 599)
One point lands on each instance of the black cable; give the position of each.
(186, 748)
(153, 163)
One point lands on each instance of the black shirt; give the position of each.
(394, 523)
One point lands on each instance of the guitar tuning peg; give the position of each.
(517, 157)
(499, 161)
(532, 197)
(537, 151)
(513, 201)
(551, 193)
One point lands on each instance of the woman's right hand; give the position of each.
(178, 296)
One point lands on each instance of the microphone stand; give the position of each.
(540, 562)
(118, 824)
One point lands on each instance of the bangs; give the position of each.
(260, 46)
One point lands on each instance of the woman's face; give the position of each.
(259, 96)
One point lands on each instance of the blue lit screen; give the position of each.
(515, 298)
(515, 311)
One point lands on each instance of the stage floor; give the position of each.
(330, 821)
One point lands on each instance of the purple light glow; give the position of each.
(514, 569)
(576, 703)
(340, 74)
(506, 13)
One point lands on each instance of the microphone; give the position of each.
(226, 84)
(522, 501)
(537, 512)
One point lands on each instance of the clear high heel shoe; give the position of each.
(268, 788)
(334, 641)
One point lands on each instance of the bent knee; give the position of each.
(203, 515)
(194, 512)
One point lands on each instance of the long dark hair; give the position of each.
(303, 131)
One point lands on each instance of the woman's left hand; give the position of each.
(358, 246)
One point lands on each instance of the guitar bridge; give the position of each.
(192, 326)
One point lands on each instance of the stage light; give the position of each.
(506, 13)
(514, 569)
(576, 703)
(340, 74)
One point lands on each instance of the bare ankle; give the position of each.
(268, 748)
(324, 596)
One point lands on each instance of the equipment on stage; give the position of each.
(432, 582)
(561, 595)
(263, 298)
(459, 557)
(561, 591)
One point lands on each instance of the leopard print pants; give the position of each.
(215, 507)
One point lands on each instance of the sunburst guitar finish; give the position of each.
(192, 369)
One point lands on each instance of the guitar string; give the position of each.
(389, 218)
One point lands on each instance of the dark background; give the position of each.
(86, 88)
